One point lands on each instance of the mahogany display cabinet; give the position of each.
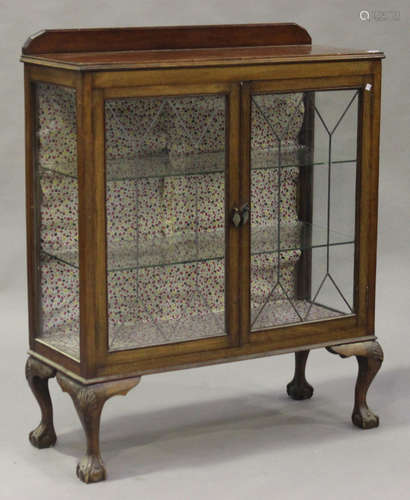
(196, 195)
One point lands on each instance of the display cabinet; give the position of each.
(196, 195)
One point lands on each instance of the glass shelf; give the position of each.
(288, 158)
(205, 246)
(175, 165)
(157, 166)
(296, 236)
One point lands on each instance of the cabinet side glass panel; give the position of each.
(57, 217)
(303, 206)
(165, 211)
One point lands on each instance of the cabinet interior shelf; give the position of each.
(205, 246)
(165, 165)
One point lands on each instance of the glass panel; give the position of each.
(165, 171)
(303, 195)
(57, 199)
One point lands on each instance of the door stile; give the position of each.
(245, 197)
(360, 289)
(89, 228)
(233, 235)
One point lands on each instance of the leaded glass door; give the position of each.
(170, 175)
(303, 235)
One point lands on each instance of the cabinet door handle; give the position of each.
(240, 216)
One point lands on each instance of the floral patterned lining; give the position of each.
(58, 205)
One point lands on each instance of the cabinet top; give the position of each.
(179, 46)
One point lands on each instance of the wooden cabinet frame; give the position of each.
(237, 85)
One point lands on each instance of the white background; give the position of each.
(228, 431)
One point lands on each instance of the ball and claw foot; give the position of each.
(365, 419)
(299, 388)
(299, 391)
(43, 436)
(90, 469)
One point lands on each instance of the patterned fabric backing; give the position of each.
(58, 204)
(56, 125)
(165, 231)
(176, 126)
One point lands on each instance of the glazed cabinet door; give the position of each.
(171, 178)
(308, 223)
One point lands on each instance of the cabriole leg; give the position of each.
(89, 401)
(369, 357)
(299, 388)
(37, 375)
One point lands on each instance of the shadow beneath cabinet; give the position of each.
(226, 429)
